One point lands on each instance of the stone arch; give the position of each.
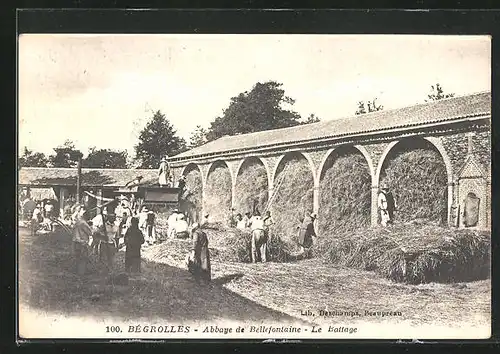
(218, 196)
(345, 167)
(191, 167)
(418, 142)
(252, 183)
(216, 163)
(262, 161)
(360, 148)
(435, 142)
(289, 156)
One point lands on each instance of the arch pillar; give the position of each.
(316, 196)
(437, 143)
(374, 206)
(234, 167)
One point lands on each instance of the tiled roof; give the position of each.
(95, 177)
(433, 112)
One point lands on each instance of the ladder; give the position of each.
(276, 188)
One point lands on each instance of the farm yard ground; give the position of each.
(259, 293)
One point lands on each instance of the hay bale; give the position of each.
(293, 200)
(418, 181)
(218, 193)
(251, 187)
(345, 196)
(191, 200)
(413, 253)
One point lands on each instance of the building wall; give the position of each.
(455, 147)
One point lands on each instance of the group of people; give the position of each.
(100, 236)
(41, 214)
(178, 226)
(105, 233)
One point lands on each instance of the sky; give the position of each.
(100, 90)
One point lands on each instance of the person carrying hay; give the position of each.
(386, 205)
(133, 242)
(307, 232)
(199, 259)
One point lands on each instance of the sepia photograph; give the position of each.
(254, 186)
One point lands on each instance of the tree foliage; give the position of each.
(33, 159)
(158, 139)
(66, 155)
(437, 93)
(198, 137)
(105, 158)
(368, 107)
(311, 119)
(263, 108)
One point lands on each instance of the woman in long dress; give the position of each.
(200, 256)
(133, 241)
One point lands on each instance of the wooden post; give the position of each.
(79, 179)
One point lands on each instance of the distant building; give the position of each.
(59, 184)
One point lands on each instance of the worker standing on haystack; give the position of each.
(81, 238)
(172, 219)
(387, 205)
(259, 239)
(307, 232)
(163, 173)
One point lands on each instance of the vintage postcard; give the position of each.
(254, 186)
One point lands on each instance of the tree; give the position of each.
(437, 93)
(105, 158)
(311, 119)
(260, 109)
(65, 155)
(158, 139)
(368, 107)
(198, 137)
(32, 159)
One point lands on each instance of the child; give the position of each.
(133, 241)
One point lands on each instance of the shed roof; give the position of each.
(91, 177)
(433, 112)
